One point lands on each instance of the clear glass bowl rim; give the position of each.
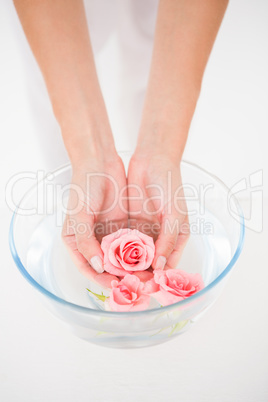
(88, 310)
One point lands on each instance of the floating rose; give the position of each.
(127, 251)
(128, 295)
(127, 256)
(176, 285)
(167, 287)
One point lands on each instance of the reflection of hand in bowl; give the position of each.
(215, 244)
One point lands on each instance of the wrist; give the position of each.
(161, 138)
(85, 126)
(166, 121)
(85, 140)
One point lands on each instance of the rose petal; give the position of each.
(141, 304)
(166, 298)
(151, 286)
(118, 307)
(113, 253)
(119, 296)
(132, 282)
(147, 240)
(112, 269)
(150, 255)
(108, 239)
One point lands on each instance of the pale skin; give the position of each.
(58, 34)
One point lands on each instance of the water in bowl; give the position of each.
(208, 252)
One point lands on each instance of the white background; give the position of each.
(223, 358)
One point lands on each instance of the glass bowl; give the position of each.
(216, 241)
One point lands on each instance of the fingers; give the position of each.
(171, 242)
(182, 240)
(83, 266)
(85, 247)
(87, 244)
(166, 242)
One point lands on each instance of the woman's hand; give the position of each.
(157, 206)
(94, 210)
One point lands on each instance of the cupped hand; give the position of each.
(97, 206)
(157, 205)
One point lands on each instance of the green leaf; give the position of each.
(158, 332)
(100, 297)
(177, 327)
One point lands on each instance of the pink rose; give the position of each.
(128, 295)
(176, 285)
(127, 251)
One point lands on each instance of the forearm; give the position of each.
(185, 33)
(58, 35)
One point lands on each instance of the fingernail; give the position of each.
(96, 263)
(160, 262)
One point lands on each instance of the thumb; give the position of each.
(166, 241)
(87, 244)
